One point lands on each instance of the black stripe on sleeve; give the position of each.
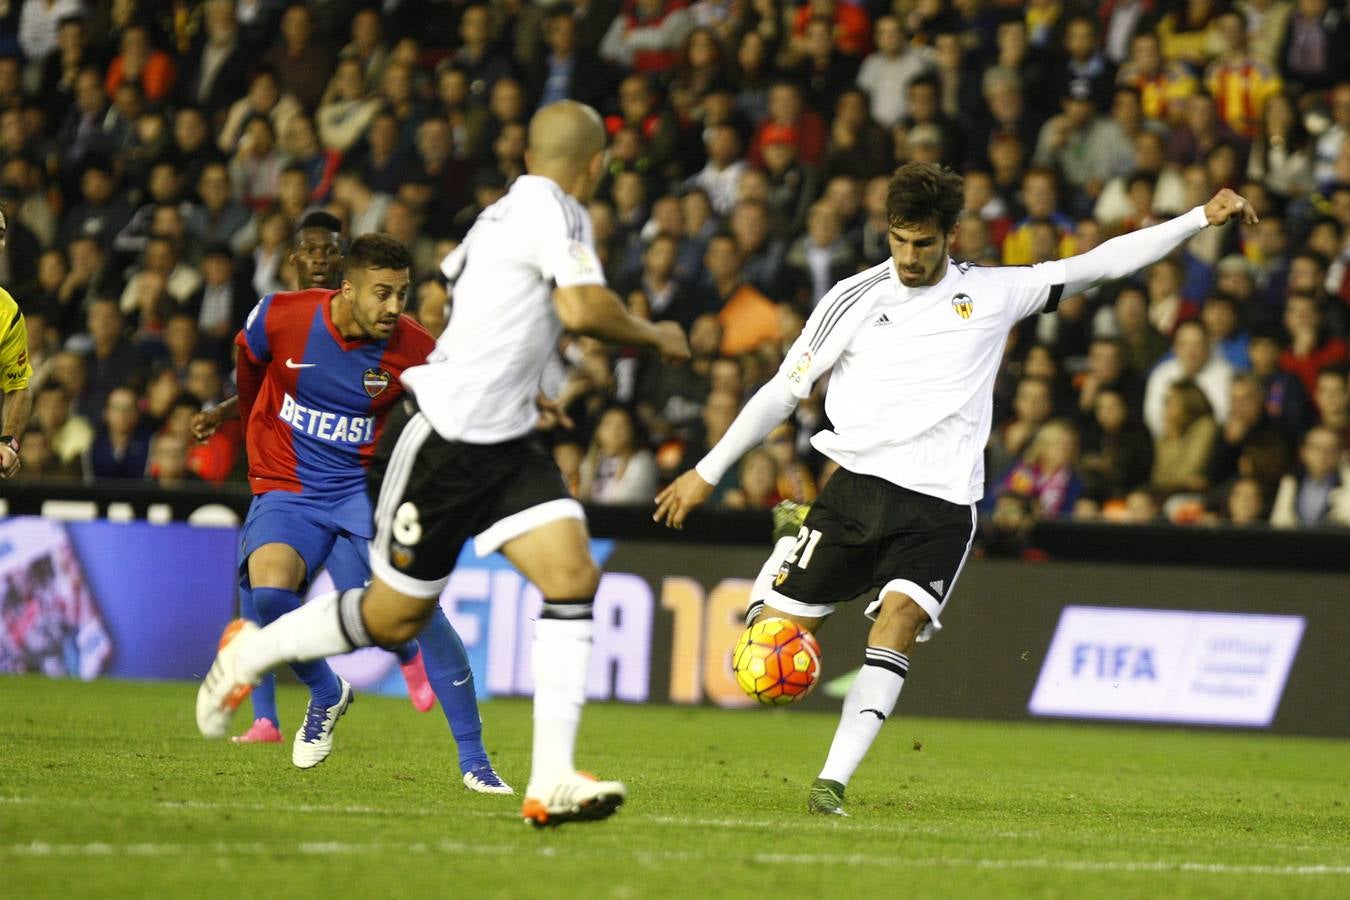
(841, 306)
(1052, 304)
(12, 322)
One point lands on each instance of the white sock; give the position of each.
(313, 631)
(870, 701)
(562, 657)
(759, 591)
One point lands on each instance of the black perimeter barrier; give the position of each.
(998, 631)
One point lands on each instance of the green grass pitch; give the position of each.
(106, 790)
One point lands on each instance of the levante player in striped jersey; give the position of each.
(318, 372)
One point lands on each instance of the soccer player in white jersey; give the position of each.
(461, 460)
(914, 345)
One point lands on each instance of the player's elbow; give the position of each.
(580, 308)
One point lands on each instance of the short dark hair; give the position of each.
(923, 192)
(378, 251)
(319, 219)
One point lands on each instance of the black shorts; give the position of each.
(865, 536)
(431, 495)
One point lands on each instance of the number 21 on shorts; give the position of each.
(807, 538)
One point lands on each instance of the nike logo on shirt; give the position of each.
(462, 681)
(292, 364)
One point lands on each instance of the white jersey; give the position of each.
(911, 392)
(479, 384)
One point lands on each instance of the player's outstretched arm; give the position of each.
(770, 405)
(1124, 255)
(596, 311)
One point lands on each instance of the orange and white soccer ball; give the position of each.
(776, 661)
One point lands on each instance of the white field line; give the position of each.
(458, 848)
(896, 828)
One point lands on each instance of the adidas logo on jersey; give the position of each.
(938, 585)
(882, 321)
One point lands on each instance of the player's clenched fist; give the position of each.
(205, 423)
(671, 342)
(1227, 204)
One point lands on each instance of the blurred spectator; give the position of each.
(1189, 32)
(1078, 143)
(224, 298)
(857, 146)
(647, 35)
(142, 64)
(795, 481)
(1195, 364)
(1310, 346)
(168, 460)
(1282, 154)
(760, 253)
(721, 176)
(1244, 504)
(566, 71)
(367, 45)
(1040, 198)
(1239, 83)
(1107, 369)
(753, 74)
(665, 297)
(216, 218)
(1046, 472)
(671, 394)
(1312, 55)
(1117, 451)
(1332, 397)
(1161, 86)
(616, 468)
(264, 99)
(255, 170)
(121, 449)
(68, 435)
(1247, 424)
(431, 306)
(788, 116)
(1185, 442)
(303, 65)
(1227, 338)
(347, 107)
(1320, 494)
(816, 64)
(958, 84)
(756, 482)
(887, 71)
(216, 72)
(818, 259)
(1285, 399)
(747, 316)
(1033, 405)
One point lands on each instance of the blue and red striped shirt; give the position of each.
(313, 402)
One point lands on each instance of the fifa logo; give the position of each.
(963, 305)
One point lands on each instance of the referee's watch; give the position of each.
(10, 441)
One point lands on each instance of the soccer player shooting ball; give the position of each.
(914, 345)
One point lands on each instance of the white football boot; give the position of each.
(223, 689)
(578, 797)
(314, 739)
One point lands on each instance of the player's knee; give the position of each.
(391, 630)
(899, 620)
(575, 578)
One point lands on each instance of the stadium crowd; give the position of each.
(155, 158)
